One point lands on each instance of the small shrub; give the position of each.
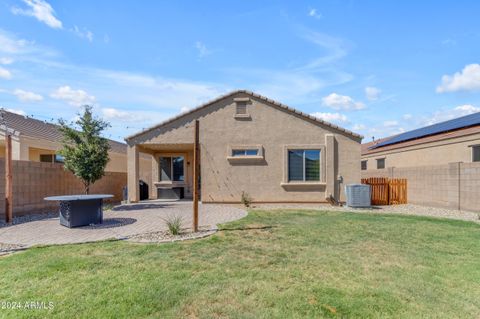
(174, 224)
(246, 199)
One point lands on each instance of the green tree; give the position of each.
(84, 150)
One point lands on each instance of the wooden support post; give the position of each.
(8, 180)
(196, 172)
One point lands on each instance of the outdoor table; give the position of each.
(80, 210)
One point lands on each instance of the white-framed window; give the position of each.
(364, 165)
(245, 152)
(476, 153)
(380, 163)
(51, 158)
(304, 165)
(172, 168)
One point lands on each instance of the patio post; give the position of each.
(133, 173)
(8, 180)
(196, 172)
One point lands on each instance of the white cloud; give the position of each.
(16, 111)
(334, 49)
(84, 34)
(390, 123)
(73, 97)
(314, 14)
(372, 93)
(466, 80)
(5, 74)
(184, 109)
(331, 117)
(407, 116)
(42, 11)
(341, 102)
(20, 49)
(26, 96)
(203, 51)
(358, 127)
(142, 118)
(6, 61)
(448, 114)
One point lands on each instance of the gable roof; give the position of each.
(37, 129)
(303, 115)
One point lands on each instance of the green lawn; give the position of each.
(280, 264)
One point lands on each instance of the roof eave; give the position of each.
(281, 105)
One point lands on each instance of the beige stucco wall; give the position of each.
(452, 185)
(436, 153)
(33, 181)
(274, 129)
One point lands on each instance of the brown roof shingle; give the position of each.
(31, 127)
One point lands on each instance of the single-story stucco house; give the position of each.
(248, 143)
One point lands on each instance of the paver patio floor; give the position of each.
(120, 222)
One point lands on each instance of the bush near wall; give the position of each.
(32, 181)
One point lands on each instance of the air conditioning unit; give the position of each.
(358, 195)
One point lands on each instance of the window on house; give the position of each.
(245, 152)
(172, 168)
(380, 163)
(59, 158)
(46, 158)
(304, 165)
(476, 153)
(364, 165)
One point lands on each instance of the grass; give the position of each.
(282, 264)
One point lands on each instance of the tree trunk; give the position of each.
(87, 188)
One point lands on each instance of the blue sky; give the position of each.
(375, 67)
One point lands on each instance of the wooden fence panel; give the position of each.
(385, 191)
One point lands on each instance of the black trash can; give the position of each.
(143, 190)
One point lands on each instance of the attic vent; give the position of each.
(241, 108)
(241, 111)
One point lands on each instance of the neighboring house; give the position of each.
(248, 143)
(38, 141)
(457, 140)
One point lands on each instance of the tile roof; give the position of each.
(38, 129)
(368, 148)
(261, 97)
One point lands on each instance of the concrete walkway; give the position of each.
(121, 222)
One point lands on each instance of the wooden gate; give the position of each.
(387, 191)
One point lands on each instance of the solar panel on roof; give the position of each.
(461, 122)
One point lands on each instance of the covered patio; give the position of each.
(171, 172)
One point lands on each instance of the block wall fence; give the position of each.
(32, 181)
(454, 185)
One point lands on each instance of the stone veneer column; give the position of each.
(133, 172)
(330, 166)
